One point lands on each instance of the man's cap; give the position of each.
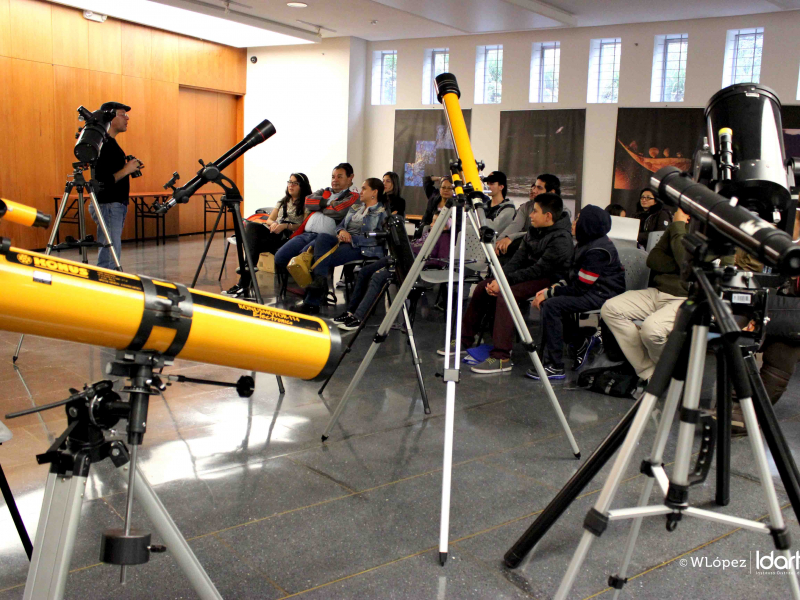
(115, 106)
(496, 177)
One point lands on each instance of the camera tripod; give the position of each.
(680, 370)
(90, 413)
(409, 322)
(79, 183)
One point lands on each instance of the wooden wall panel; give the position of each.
(5, 28)
(163, 119)
(187, 158)
(70, 37)
(105, 46)
(165, 56)
(31, 30)
(137, 50)
(8, 181)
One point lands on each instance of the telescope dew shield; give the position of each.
(738, 225)
(71, 301)
(753, 113)
(21, 214)
(260, 133)
(448, 94)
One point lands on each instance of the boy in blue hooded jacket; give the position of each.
(596, 275)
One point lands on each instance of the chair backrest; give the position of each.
(473, 251)
(652, 239)
(637, 274)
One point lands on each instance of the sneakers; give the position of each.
(350, 324)
(342, 317)
(583, 352)
(493, 365)
(551, 371)
(236, 291)
(441, 351)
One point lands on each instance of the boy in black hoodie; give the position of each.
(543, 257)
(596, 276)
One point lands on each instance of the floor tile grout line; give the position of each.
(255, 568)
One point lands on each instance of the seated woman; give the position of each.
(270, 235)
(395, 203)
(652, 215)
(362, 218)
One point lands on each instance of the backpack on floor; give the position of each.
(612, 378)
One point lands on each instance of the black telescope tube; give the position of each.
(445, 84)
(259, 134)
(738, 225)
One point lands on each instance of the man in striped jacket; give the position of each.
(596, 276)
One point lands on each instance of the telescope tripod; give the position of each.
(79, 183)
(231, 203)
(680, 369)
(384, 293)
(90, 413)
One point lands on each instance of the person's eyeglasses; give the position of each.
(647, 198)
(447, 187)
(292, 183)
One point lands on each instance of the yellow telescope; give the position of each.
(62, 299)
(14, 212)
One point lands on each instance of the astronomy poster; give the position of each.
(422, 146)
(647, 140)
(543, 141)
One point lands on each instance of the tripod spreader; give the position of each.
(245, 386)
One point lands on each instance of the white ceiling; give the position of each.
(403, 19)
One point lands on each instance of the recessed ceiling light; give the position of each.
(297, 4)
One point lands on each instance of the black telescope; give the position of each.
(91, 137)
(181, 195)
(735, 223)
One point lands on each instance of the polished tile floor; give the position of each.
(271, 512)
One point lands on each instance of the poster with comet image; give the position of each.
(647, 140)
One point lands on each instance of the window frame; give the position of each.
(481, 73)
(379, 58)
(597, 54)
(537, 90)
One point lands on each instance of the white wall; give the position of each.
(314, 95)
(780, 63)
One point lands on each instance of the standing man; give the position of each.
(510, 237)
(113, 171)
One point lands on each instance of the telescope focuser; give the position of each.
(171, 183)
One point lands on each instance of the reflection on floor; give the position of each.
(272, 512)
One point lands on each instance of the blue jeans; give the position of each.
(293, 247)
(368, 285)
(114, 217)
(343, 254)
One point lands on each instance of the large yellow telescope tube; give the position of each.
(448, 94)
(66, 300)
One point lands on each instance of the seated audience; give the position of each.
(616, 210)
(326, 208)
(656, 306)
(596, 275)
(270, 235)
(368, 285)
(542, 259)
(436, 198)
(499, 211)
(509, 238)
(352, 239)
(436, 203)
(652, 215)
(395, 203)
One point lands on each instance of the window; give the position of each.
(384, 77)
(489, 74)
(743, 56)
(604, 57)
(437, 61)
(669, 68)
(545, 60)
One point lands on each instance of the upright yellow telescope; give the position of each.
(62, 299)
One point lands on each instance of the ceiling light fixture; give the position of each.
(89, 15)
(233, 29)
(297, 4)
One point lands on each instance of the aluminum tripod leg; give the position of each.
(208, 245)
(102, 224)
(82, 225)
(176, 544)
(524, 334)
(656, 458)
(391, 315)
(55, 537)
(415, 360)
(451, 377)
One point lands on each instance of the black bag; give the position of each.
(606, 376)
(784, 317)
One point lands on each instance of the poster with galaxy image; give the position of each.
(647, 140)
(543, 141)
(422, 146)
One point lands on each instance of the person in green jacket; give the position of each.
(656, 306)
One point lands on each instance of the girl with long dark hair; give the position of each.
(270, 234)
(652, 215)
(395, 203)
